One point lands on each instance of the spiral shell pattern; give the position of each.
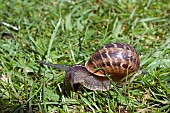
(116, 60)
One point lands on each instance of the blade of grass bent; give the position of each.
(52, 38)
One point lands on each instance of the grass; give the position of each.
(67, 32)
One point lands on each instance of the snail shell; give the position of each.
(115, 60)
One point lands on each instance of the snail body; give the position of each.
(114, 61)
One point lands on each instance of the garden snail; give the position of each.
(115, 60)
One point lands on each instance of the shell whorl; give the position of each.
(115, 59)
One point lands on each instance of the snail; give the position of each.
(110, 62)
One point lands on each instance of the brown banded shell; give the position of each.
(116, 60)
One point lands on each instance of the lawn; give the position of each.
(67, 32)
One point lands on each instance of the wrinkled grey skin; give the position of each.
(79, 74)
